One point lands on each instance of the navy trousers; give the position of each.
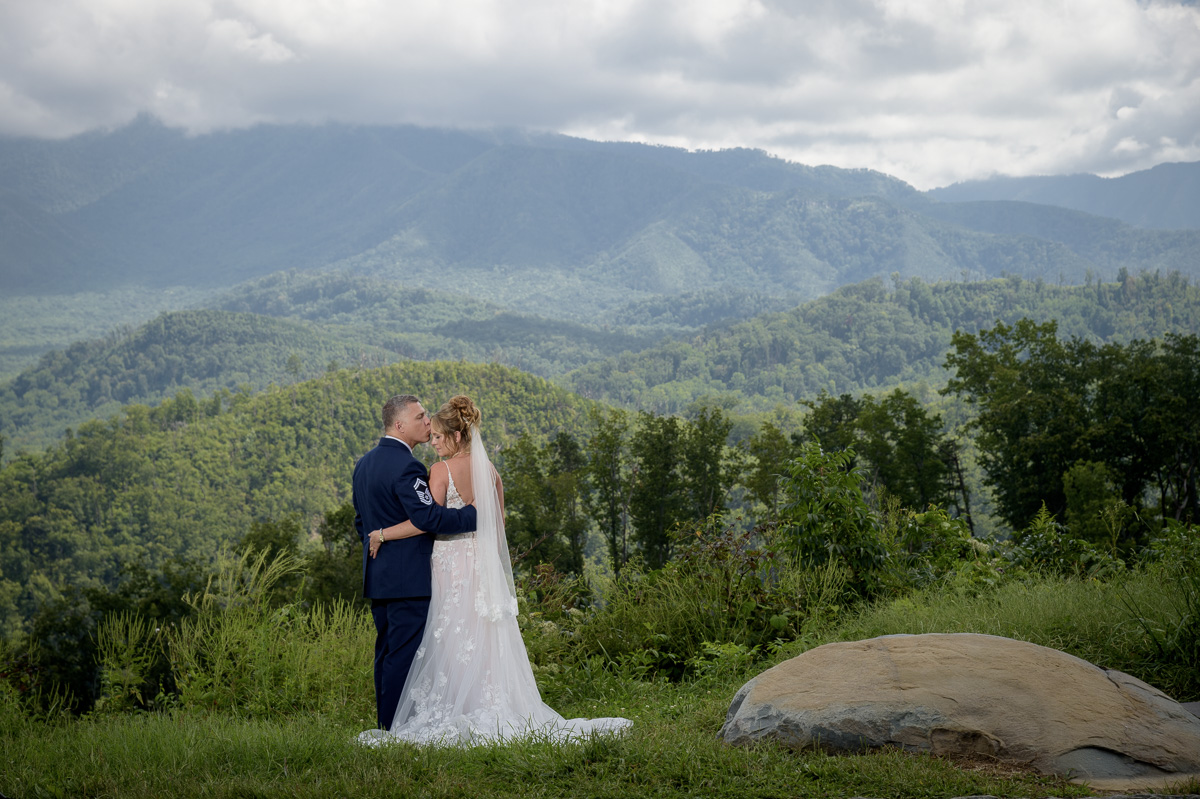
(399, 625)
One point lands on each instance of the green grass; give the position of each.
(671, 751)
(302, 744)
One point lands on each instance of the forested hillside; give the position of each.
(179, 480)
(523, 219)
(292, 326)
(202, 351)
(862, 337)
(871, 336)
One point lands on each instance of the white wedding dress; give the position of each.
(471, 681)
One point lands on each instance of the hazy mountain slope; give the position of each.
(202, 351)
(543, 220)
(716, 236)
(321, 319)
(1166, 196)
(1106, 245)
(169, 209)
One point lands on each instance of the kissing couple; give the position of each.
(450, 664)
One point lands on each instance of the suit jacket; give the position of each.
(392, 486)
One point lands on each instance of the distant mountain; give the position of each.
(1164, 197)
(537, 223)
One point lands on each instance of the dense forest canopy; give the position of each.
(871, 336)
(293, 326)
(181, 479)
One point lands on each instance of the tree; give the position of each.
(832, 421)
(770, 451)
(902, 447)
(335, 571)
(906, 450)
(608, 475)
(658, 498)
(567, 482)
(1045, 406)
(1032, 396)
(826, 518)
(706, 471)
(528, 504)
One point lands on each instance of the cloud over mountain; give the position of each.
(932, 91)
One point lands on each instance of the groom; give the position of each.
(391, 486)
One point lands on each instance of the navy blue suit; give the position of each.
(392, 486)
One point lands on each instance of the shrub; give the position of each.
(826, 517)
(1048, 546)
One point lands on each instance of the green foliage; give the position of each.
(127, 650)
(1095, 510)
(930, 546)
(239, 651)
(1045, 406)
(175, 482)
(608, 475)
(770, 450)
(1170, 617)
(334, 571)
(825, 518)
(1048, 546)
(865, 337)
(658, 497)
(906, 454)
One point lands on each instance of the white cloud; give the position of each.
(929, 90)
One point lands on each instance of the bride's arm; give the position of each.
(404, 529)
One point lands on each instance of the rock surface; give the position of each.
(966, 694)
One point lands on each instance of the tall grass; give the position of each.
(239, 652)
(1102, 622)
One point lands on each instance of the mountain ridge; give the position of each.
(1166, 196)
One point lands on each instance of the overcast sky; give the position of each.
(931, 91)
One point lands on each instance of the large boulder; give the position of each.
(967, 694)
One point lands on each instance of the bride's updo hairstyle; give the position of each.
(457, 416)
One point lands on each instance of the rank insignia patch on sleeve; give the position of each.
(422, 489)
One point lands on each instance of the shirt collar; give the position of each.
(405, 443)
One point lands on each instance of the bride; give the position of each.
(471, 681)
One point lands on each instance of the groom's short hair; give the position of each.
(394, 407)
